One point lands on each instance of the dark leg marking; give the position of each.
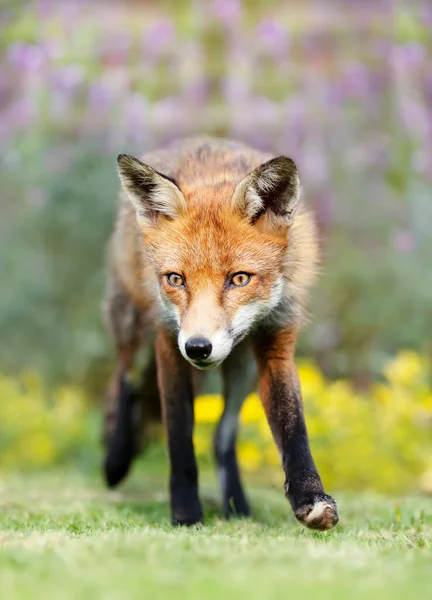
(239, 374)
(281, 397)
(122, 443)
(176, 392)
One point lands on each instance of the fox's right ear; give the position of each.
(151, 193)
(272, 190)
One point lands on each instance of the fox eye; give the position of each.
(175, 279)
(240, 279)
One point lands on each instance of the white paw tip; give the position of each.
(322, 516)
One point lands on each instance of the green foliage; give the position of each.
(40, 429)
(54, 264)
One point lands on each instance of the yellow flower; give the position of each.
(271, 455)
(252, 411)
(208, 409)
(38, 449)
(311, 379)
(407, 369)
(249, 456)
(69, 404)
(264, 429)
(427, 403)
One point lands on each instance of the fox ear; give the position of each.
(151, 193)
(272, 189)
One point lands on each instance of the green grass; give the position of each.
(63, 536)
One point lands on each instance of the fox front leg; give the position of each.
(175, 387)
(281, 398)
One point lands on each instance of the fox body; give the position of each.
(211, 260)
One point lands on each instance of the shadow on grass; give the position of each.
(270, 509)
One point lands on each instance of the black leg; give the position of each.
(175, 387)
(281, 397)
(239, 376)
(122, 443)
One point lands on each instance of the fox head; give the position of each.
(219, 252)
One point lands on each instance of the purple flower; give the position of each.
(45, 8)
(334, 93)
(99, 95)
(68, 78)
(169, 114)
(409, 56)
(314, 164)
(426, 13)
(54, 48)
(264, 111)
(197, 91)
(356, 82)
(295, 120)
(428, 87)
(273, 37)
(26, 57)
(234, 89)
(158, 38)
(18, 116)
(136, 114)
(227, 11)
(413, 115)
(324, 206)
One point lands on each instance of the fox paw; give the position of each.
(317, 511)
(188, 513)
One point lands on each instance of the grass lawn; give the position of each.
(62, 535)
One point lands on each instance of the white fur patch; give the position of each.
(247, 315)
(221, 345)
(276, 294)
(168, 310)
(253, 202)
(165, 198)
(182, 339)
(318, 511)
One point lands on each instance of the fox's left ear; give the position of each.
(151, 193)
(273, 188)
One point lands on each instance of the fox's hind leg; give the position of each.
(123, 414)
(239, 379)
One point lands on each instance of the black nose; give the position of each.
(198, 348)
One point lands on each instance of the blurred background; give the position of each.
(344, 87)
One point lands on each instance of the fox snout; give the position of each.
(198, 348)
(205, 352)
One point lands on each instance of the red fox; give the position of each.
(211, 260)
